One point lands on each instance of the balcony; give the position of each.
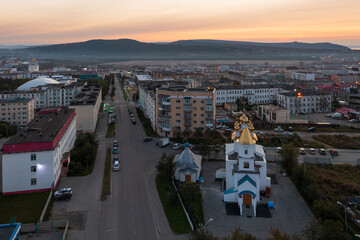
(187, 123)
(187, 103)
(166, 109)
(209, 125)
(166, 103)
(187, 117)
(187, 109)
(160, 108)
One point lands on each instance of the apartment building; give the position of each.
(33, 159)
(146, 102)
(48, 95)
(255, 94)
(305, 101)
(87, 105)
(18, 111)
(182, 111)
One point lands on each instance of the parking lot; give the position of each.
(289, 215)
(321, 117)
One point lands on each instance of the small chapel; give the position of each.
(246, 169)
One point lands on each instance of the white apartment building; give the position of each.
(49, 95)
(256, 94)
(18, 111)
(147, 103)
(303, 76)
(34, 158)
(305, 101)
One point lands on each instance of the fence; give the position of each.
(46, 205)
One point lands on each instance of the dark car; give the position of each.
(115, 144)
(147, 139)
(63, 194)
(322, 151)
(133, 121)
(334, 152)
(312, 129)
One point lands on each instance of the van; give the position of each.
(312, 151)
(116, 166)
(302, 151)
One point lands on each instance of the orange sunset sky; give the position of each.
(61, 21)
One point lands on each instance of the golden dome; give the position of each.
(251, 126)
(255, 137)
(246, 137)
(236, 126)
(243, 119)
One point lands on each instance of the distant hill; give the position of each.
(128, 49)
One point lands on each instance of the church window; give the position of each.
(246, 165)
(246, 151)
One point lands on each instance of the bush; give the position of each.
(7, 129)
(83, 155)
(325, 210)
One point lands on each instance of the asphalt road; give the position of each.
(134, 210)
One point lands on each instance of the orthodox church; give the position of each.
(246, 173)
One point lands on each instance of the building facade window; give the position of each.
(33, 181)
(246, 164)
(33, 168)
(33, 157)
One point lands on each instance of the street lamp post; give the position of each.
(340, 204)
(204, 226)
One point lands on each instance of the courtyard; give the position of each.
(290, 214)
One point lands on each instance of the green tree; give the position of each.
(335, 103)
(165, 167)
(277, 235)
(323, 103)
(333, 230)
(311, 231)
(190, 193)
(238, 234)
(7, 129)
(325, 210)
(289, 154)
(202, 234)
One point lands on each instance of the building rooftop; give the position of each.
(303, 93)
(16, 100)
(45, 127)
(87, 96)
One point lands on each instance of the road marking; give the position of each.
(112, 229)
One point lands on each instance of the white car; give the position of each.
(278, 129)
(176, 146)
(116, 166)
(353, 120)
(278, 149)
(287, 133)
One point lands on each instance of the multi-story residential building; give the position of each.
(87, 105)
(33, 66)
(275, 114)
(257, 94)
(33, 158)
(18, 111)
(303, 76)
(305, 101)
(182, 111)
(147, 102)
(47, 95)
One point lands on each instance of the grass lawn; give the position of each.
(110, 131)
(26, 208)
(172, 207)
(105, 191)
(339, 141)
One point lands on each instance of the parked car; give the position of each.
(312, 151)
(302, 151)
(176, 146)
(133, 121)
(210, 147)
(116, 166)
(353, 120)
(131, 114)
(115, 150)
(288, 134)
(147, 139)
(334, 152)
(115, 144)
(217, 148)
(278, 149)
(63, 194)
(115, 159)
(163, 142)
(312, 129)
(278, 129)
(290, 128)
(218, 126)
(322, 151)
(336, 115)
